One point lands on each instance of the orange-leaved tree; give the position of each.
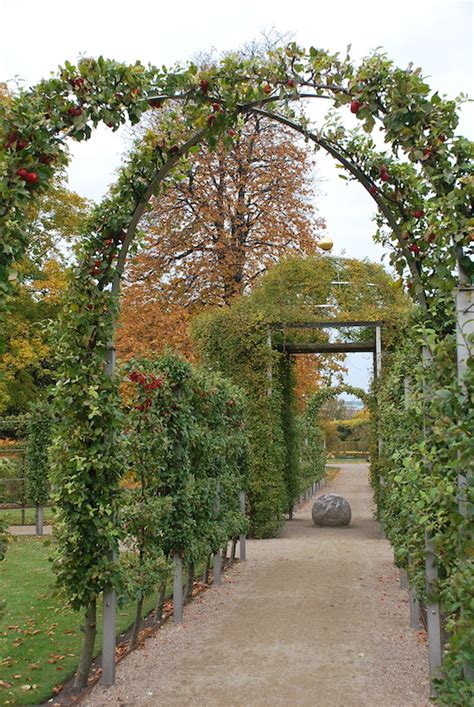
(237, 210)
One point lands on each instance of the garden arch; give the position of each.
(421, 198)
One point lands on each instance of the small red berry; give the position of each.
(418, 213)
(31, 177)
(267, 89)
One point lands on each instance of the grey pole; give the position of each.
(217, 559)
(464, 352)
(435, 641)
(178, 589)
(243, 555)
(414, 609)
(403, 579)
(269, 365)
(110, 597)
(39, 520)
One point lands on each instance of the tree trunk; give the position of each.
(190, 581)
(87, 648)
(232, 552)
(136, 625)
(160, 602)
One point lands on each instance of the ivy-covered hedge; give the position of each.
(281, 465)
(419, 492)
(234, 341)
(39, 437)
(29, 468)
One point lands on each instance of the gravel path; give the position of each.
(315, 617)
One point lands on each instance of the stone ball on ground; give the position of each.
(331, 510)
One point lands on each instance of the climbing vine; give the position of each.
(421, 184)
(420, 407)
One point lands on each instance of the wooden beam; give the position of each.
(326, 324)
(320, 347)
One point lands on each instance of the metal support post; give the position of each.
(217, 558)
(110, 596)
(435, 639)
(403, 579)
(270, 362)
(464, 353)
(178, 589)
(415, 621)
(39, 520)
(242, 537)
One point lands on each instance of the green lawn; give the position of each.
(39, 633)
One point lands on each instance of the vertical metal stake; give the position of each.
(217, 568)
(109, 596)
(414, 610)
(39, 520)
(108, 639)
(403, 579)
(178, 589)
(243, 555)
(435, 640)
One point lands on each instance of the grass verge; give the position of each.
(39, 633)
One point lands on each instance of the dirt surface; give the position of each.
(315, 617)
(28, 529)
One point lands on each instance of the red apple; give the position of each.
(204, 86)
(418, 213)
(22, 172)
(31, 177)
(267, 89)
(355, 106)
(45, 159)
(414, 248)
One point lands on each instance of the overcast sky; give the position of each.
(39, 35)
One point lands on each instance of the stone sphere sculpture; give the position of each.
(331, 510)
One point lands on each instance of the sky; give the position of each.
(39, 35)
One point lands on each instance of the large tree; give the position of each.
(236, 211)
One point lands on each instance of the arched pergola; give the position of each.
(418, 184)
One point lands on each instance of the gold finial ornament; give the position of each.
(326, 243)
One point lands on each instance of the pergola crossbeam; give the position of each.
(325, 347)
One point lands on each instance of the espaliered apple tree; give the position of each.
(423, 201)
(185, 444)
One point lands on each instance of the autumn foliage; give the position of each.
(235, 213)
